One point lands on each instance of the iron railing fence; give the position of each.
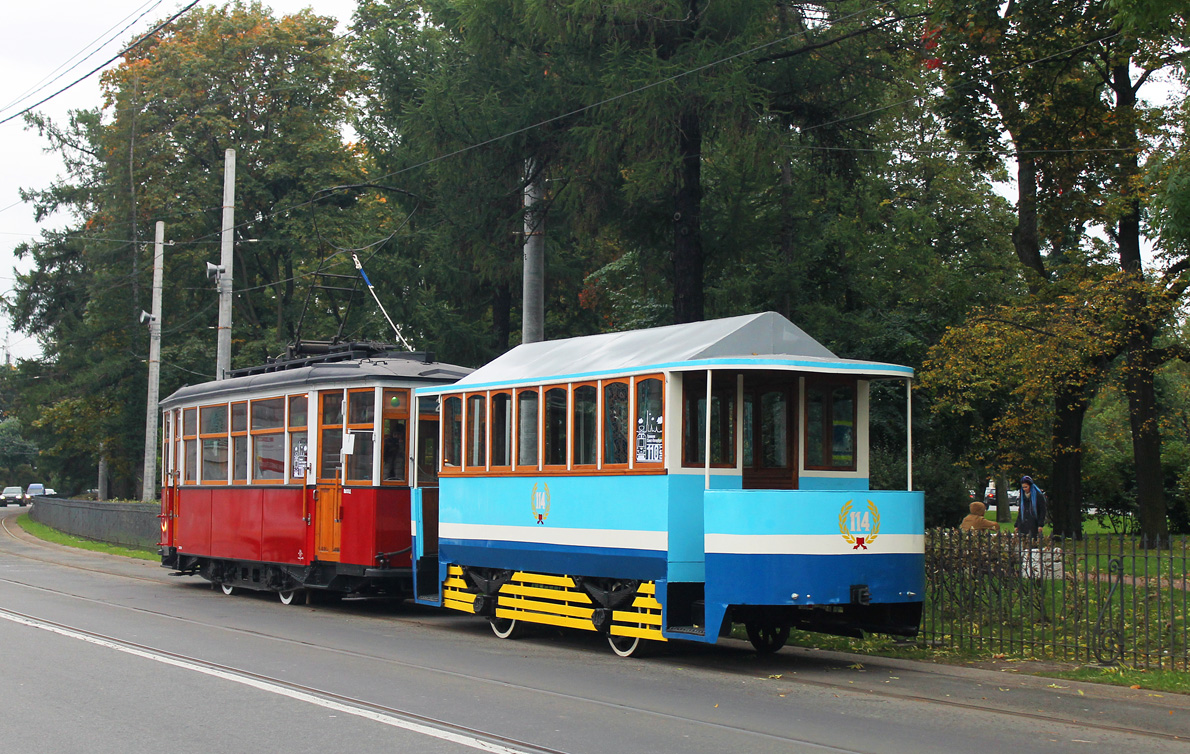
(1103, 599)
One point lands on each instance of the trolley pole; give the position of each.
(533, 283)
(224, 275)
(149, 480)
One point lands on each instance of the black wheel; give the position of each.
(506, 628)
(227, 588)
(627, 646)
(289, 596)
(766, 638)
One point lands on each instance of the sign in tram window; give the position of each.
(452, 432)
(694, 421)
(649, 421)
(239, 442)
(830, 426)
(212, 428)
(555, 426)
(299, 437)
(586, 431)
(501, 430)
(527, 427)
(477, 431)
(615, 424)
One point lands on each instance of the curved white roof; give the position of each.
(761, 340)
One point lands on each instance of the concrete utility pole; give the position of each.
(149, 481)
(223, 276)
(533, 283)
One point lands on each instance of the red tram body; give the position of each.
(295, 475)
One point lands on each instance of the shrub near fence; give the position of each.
(1104, 599)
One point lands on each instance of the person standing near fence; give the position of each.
(1031, 513)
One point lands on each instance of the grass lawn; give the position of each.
(41, 531)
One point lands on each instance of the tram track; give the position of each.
(846, 688)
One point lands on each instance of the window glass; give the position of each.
(213, 420)
(268, 414)
(361, 407)
(189, 422)
(843, 426)
(477, 428)
(649, 418)
(427, 452)
(191, 450)
(299, 451)
(332, 408)
(298, 409)
(501, 429)
(330, 447)
(396, 400)
(393, 454)
(555, 426)
(695, 418)
(526, 428)
(774, 432)
(240, 451)
(359, 463)
(268, 453)
(214, 459)
(830, 426)
(815, 402)
(615, 423)
(585, 428)
(239, 417)
(749, 430)
(452, 424)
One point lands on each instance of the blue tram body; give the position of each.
(666, 483)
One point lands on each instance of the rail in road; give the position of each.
(547, 695)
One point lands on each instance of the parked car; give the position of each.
(50, 492)
(34, 490)
(12, 494)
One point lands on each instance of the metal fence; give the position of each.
(1103, 599)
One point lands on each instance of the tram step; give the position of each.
(693, 630)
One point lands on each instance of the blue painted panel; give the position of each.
(645, 565)
(808, 512)
(418, 532)
(816, 579)
(632, 502)
(832, 483)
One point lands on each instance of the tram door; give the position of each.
(328, 493)
(770, 431)
(169, 480)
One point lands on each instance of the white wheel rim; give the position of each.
(507, 631)
(227, 588)
(626, 651)
(287, 597)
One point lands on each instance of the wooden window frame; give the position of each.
(468, 466)
(239, 433)
(697, 389)
(634, 398)
(255, 433)
(204, 436)
(190, 435)
(292, 430)
(516, 458)
(565, 465)
(826, 441)
(572, 428)
(443, 432)
(511, 433)
(603, 433)
(321, 428)
(389, 413)
(369, 427)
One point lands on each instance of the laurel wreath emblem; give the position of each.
(847, 535)
(541, 514)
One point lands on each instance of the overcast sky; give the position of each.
(40, 40)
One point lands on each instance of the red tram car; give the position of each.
(295, 475)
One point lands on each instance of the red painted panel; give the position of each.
(284, 539)
(166, 518)
(194, 521)
(392, 524)
(236, 518)
(359, 522)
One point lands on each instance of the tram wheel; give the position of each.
(766, 638)
(227, 588)
(506, 628)
(288, 596)
(628, 646)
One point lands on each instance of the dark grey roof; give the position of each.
(767, 336)
(291, 380)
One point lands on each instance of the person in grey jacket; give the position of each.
(1030, 516)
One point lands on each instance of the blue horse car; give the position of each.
(664, 484)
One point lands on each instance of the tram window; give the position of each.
(615, 424)
(452, 427)
(830, 426)
(298, 410)
(239, 442)
(191, 450)
(694, 422)
(268, 453)
(585, 426)
(330, 447)
(427, 441)
(213, 420)
(359, 463)
(212, 428)
(649, 421)
(501, 429)
(268, 414)
(555, 426)
(361, 407)
(394, 450)
(477, 431)
(527, 427)
(190, 422)
(332, 408)
(299, 437)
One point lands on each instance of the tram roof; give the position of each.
(371, 370)
(765, 340)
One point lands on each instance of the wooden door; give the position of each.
(328, 527)
(770, 432)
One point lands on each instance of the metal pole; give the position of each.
(149, 481)
(226, 252)
(533, 283)
(707, 436)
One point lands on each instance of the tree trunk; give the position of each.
(787, 237)
(1025, 238)
(687, 222)
(1066, 482)
(501, 314)
(1003, 511)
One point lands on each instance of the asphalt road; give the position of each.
(104, 654)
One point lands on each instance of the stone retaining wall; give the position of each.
(127, 524)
